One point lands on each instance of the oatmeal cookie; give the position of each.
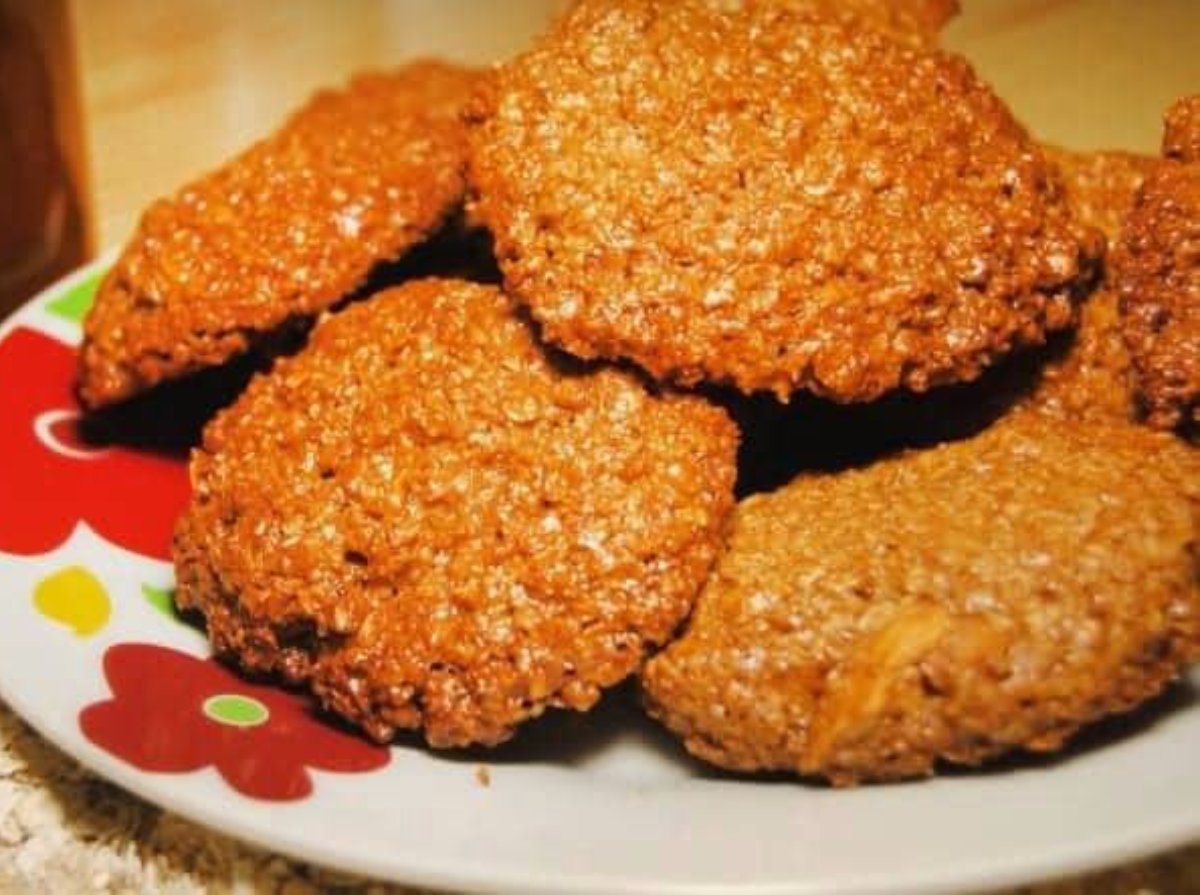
(1157, 269)
(950, 604)
(281, 232)
(438, 526)
(760, 196)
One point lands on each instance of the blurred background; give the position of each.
(137, 96)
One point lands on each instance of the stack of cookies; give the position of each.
(801, 383)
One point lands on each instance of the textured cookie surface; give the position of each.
(439, 527)
(1181, 137)
(280, 232)
(952, 604)
(917, 21)
(764, 198)
(1089, 377)
(1158, 271)
(1101, 186)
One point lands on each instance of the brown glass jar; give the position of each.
(44, 228)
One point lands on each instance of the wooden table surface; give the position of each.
(170, 89)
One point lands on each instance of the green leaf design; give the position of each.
(73, 304)
(162, 601)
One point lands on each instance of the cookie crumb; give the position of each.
(482, 775)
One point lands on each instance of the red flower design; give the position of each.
(174, 713)
(50, 478)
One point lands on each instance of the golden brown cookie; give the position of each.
(918, 21)
(438, 526)
(1089, 376)
(1181, 137)
(1101, 186)
(763, 198)
(282, 231)
(951, 604)
(1083, 375)
(1158, 271)
(1078, 375)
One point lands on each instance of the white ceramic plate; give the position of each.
(91, 655)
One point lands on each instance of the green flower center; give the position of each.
(236, 710)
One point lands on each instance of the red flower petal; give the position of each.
(154, 720)
(322, 745)
(130, 497)
(164, 717)
(160, 676)
(150, 741)
(300, 736)
(262, 774)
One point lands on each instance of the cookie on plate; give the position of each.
(1101, 186)
(281, 232)
(1157, 269)
(951, 604)
(755, 195)
(1089, 376)
(919, 21)
(439, 526)
(1181, 137)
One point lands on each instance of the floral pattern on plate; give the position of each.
(130, 497)
(174, 713)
